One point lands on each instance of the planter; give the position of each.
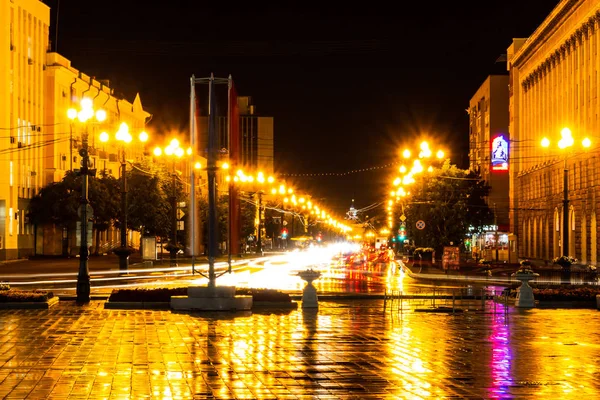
(29, 305)
(566, 304)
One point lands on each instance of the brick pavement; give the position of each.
(346, 349)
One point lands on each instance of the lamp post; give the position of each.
(173, 150)
(123, 136)
(565, 142)
(85, 114)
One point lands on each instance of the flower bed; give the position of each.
(163, 295)
(585, 293)
(25, 296)
(143, 295)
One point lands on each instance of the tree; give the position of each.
(449, 200)
(58, 202)
(104, 195)
(148, 208)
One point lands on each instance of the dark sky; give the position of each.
(347, 85)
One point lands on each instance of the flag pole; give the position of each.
(192, 177)
(229, 219)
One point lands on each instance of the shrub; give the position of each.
(147, 294)
(4, 286)
(567, 294)
(23, 296)
(164, 294)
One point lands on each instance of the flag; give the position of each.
(235, 215)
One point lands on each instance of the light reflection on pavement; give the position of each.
(273, 271)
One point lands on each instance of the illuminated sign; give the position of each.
(499, 153)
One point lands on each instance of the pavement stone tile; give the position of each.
(344, 350)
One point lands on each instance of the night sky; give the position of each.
(347, 85)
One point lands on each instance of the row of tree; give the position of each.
(149, 206)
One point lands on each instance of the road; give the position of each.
(273, 271)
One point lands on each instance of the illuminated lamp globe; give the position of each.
(157, 151)
(101, 115)
(143, 136)
(104, 137)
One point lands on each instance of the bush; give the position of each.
(25, 296)
(567, 294)
(4, 286)
(147, 295)
(164, 294)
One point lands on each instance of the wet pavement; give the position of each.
(345, 349)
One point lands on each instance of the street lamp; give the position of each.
(175, 152)
(123, 136)
(565, 142)
(84, 114)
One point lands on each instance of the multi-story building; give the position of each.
(488, 156)
(23, 46)
(256, 133)
(488, 141)
(65, 87)
(554, 85)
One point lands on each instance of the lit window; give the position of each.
(10, 221)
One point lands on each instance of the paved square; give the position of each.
(346, 349)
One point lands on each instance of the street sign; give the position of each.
(403, 218)
(89, 211)
(78, 233)
(420, 224)
(180, 213)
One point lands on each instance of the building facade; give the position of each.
(256, 134)
(23, 45)
(554, 85)
(489, 141)
(489, 146)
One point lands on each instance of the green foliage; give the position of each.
(58, 202)
(148, 205)
(449, 200)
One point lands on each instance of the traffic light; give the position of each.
(402, 233)
(319, 237)
(284, 233)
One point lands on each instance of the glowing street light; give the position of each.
(565, 142)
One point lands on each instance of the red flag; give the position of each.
(235, 220)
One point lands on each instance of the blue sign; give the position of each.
(499, 153)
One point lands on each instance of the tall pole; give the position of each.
(259, 234)
(496, 227)
(192, 207)
(212, 185)
(565, 239)
(173, 248)
(230, 192)
(71, 148)
(124, 254)
(83, 277)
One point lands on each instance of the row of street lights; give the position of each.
(412, 165)
(268, 186)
